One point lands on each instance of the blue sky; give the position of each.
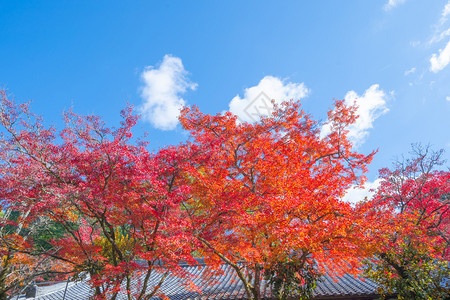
(392, 56)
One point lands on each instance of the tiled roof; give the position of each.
(225, 286)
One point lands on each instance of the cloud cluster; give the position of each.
(441, 60)
(445, 12)
(371, 105)
(437, 37)
(392, 3)
(257, 99)
(410, 71)
(162, 90)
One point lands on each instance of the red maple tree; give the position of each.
(117, 202)
(271, 191)
(412, 210)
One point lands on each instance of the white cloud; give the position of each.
(441, 31)
(446, 11)
(410, 71)
(356, 194)
(439, 37)
(441, 60)
(447, 98)
(257, 99)
(371, 105)
(393, 3)
(162, 92)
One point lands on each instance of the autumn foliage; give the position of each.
(261, 197)
(412, 257)
(117, 203)
(272, 190)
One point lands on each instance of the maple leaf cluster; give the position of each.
(264, 198)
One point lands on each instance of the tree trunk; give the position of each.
(3, 272)
(257, 284)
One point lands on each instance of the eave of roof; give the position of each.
(224, 286)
